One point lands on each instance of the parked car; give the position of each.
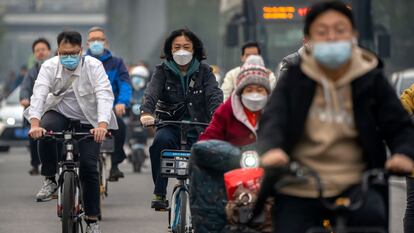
(402, 80)
(12, 131)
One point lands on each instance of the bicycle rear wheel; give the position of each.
(70, 223)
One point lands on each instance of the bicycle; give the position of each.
(106, 149)
(341, 207)
(175, 164)
(69, 201)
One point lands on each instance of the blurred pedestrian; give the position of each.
(14, 80)
(41, 51)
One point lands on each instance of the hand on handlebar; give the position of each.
(36, 132)
(147, 120)
(274, 158)
(99, 134)
(399, 163)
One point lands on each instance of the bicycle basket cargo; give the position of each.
(175, 163)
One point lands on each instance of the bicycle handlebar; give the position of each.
(58, 134)
(183, 122)
(369, 178)
(275, 179)
(80, 135)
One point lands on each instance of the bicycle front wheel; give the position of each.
(182, 223)
(70, 223)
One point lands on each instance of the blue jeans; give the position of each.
(167, 137)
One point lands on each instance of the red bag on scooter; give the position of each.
(250, 178)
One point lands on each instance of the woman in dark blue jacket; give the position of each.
(181, 88)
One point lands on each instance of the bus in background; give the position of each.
(278, 26)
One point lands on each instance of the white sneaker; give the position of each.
(93, 228)
(47, 192)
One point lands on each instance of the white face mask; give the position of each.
(182, 57)
(254, 101)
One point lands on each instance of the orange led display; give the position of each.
(283, 12)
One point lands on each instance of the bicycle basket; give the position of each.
(175, 163)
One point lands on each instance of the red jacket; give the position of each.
(230, 124)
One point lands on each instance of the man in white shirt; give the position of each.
(229, 81)
(70, 86)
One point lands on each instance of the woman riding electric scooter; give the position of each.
(235, 121)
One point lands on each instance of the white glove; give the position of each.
(147, 120)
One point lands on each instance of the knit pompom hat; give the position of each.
(252, 74)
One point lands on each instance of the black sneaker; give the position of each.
(34, 171)
(115, 174)
(159, 203)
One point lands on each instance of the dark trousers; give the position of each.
(297, 215)
(119, 138)
(167, 137)
(34, 156)
(50, 151)
(409, 212)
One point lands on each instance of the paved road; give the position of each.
(126, 209)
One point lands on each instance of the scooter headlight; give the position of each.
(250, 159)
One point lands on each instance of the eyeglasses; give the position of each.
(72, 54)
(96, 39)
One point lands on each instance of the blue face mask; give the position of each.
(332, 54)
(70, 62)
(97, 47)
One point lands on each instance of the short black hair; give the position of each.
(199, 52)
(321, 7)
(72, 37)
(251, 44)
(40, 40)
